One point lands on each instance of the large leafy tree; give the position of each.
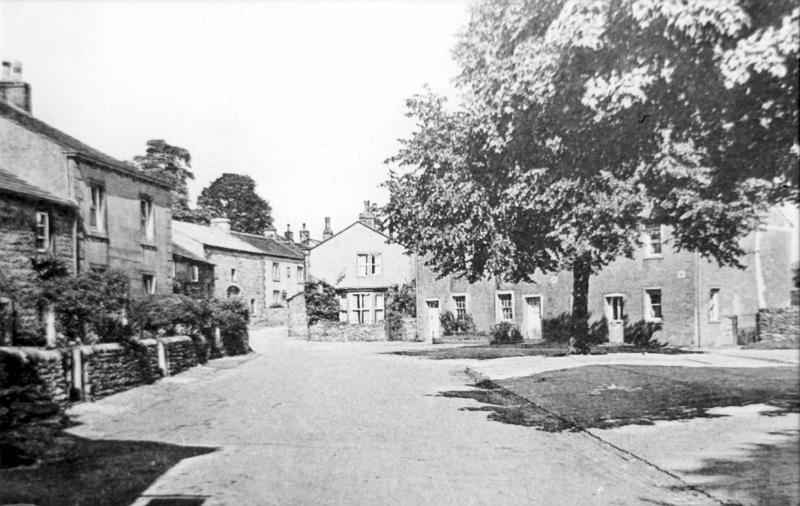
(234, 196)
(172, 164)
(581, 120)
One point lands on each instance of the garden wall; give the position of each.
(341, 331)
(296, 318)
(781, 324)
(113, 367)
(183, 353)
(33, 385)
(402, 329)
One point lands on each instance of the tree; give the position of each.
(583, 120)
(233, 196)
(172, 164)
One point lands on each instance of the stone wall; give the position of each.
(340, 331)
(779, 325)
(181, 353)
(296, 318)
(113, 367)
(402, 329)
(33, 385)
(275, 317)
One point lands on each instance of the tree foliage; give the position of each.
(233, 196)
(582, 120)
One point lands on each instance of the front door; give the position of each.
(615, 307)
(533, 317)
(433, 319)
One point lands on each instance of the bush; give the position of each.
(322, 302)
(232, 316)
(452, 324)
(171, 315)
(505, 333)
(401, 300)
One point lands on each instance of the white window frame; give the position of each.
(380, 307)
(454, 303)
(361, 307)
(301, 274)
(276, 271)
(148, 220)
(276, 297)
(714, 315)
(195, 273)
(97, 208)
(608, 309)
(43, 232)
(234, 274)
(369, 265)
(149, 283)
(649, 242)
(498, 301)
(649, 314)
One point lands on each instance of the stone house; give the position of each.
(692, 299)
(191, 268)
(33, 222)
(238, 265)
(123, 215)
(361, 263)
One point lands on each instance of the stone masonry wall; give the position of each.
(341, 331)
(402, 329)
(113, 367)
(296, 318)
(33, 385)
(779, 324)
(182, 353)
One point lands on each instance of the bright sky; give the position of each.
(308, 98)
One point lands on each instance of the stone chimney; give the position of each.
(221, 223)
(270, 232)
(366, 217)
(305, 236)
(289, 235)
(12, 90)
(327, 233)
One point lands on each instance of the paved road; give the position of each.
(349, 424)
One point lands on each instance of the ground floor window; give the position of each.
(276, 297)
(505, 306)
(713, 305)
(652, 305)
(149, 283)
(233, 291)
(460, 306)
(195, 274)
(362, 307)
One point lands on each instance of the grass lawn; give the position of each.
(613, 395)
(488, 352)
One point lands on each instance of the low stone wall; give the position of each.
(296, 318)
(113, 367)
(402, 329)
(275, 317)
(33, 385)
(340, 331)
(779, 325)
(181, 353)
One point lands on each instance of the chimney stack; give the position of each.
(289, 235)
(327, 233)
(305, 236)
(12, 90)
(270, 232)
(367, 217)
(221, 223)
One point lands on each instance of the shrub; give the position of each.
(171, 315)
(401, 300)
(322, 302)
(505, 333)
(232, 316)
(448, 322)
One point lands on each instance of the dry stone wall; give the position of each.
(33, 385)
(779, 325)
(341, 331)
(114, 367)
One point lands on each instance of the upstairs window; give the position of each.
(652, 305)
(276, 271)
(195, 274)
(276, 297)
(460, 306)
(713, 305)
(300, 274)
(653, 241)
(148, 222)
(368, 265)
(43, 241)
(97, 211)
(234, 274)
(288, 272)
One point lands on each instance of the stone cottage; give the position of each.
(693, 300)
(361, 263)
(191, 269)
(238, 265)
(123, 215)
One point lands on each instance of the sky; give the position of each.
(307, 98)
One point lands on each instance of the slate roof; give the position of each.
(72, 144)
(11, 183)
(271, 246)
(209, 236)
(179, 250)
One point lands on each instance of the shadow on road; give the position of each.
(92, 472)
(769, 474)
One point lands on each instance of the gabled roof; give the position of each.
(73, 145)
(271, 246)
(180, 251)
(11, 183)
(211, 236)
(345, 229)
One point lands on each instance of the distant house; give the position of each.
(362, 264)
(238, 265)
(123, 215)
(284, 264)
(190, 267)
(692, 299)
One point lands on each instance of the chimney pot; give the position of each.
(289, 235)
(6, 70)
(327, 233)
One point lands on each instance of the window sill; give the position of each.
(96, 234)
(653, 257)
(654, 320)
(149, 245)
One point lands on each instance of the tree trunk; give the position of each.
(581, 270)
